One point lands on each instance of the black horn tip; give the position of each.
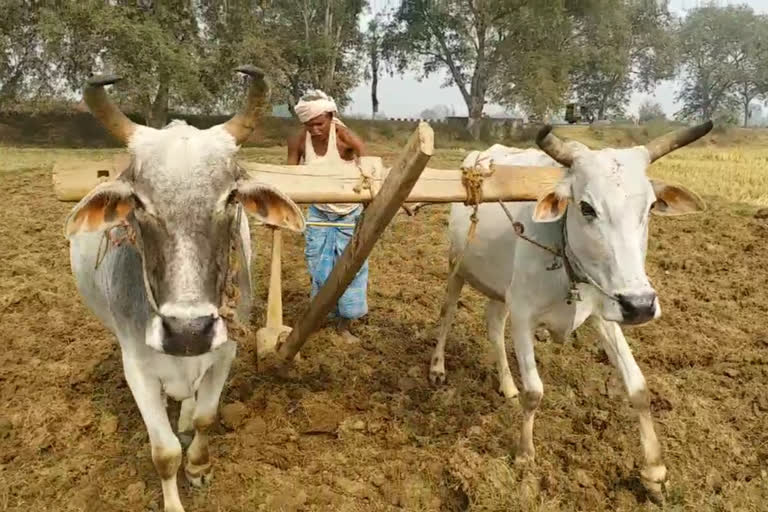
(545, 130)
(707, 126)
(102, 80)
(251, 71)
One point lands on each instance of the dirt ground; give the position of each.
(359, 428)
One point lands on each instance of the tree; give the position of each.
(651, 111)
(496, 48)
(319, 43)
(438, 112)
(25, 73)
(716, 53)
(156, 46)
(377, 54)
(751, 69)
(627, 46)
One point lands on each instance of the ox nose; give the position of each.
(188, 336)
(637, 308)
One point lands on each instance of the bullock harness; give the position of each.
(573, 268)
(472, 179)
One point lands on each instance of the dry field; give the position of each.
(359, 428)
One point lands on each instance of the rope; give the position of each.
(110, 240)
(472, 179)
(365, 181)
(230, 299)
(520, 230)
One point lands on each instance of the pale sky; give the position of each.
(404, 96)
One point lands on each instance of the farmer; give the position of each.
(323, 137)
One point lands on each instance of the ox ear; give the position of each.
(107, 205)
(269, 205)
(675, 200)
(550, 208)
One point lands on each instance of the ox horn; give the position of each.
(105, 111)
(553, 146)
(669, 142)
(242, 124)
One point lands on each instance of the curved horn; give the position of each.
(242, 124)
(554, 147)
(105, 111)
(669, 142)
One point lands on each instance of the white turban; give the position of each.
(315, 103)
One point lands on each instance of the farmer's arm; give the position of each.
(294, 149)
(351, 140)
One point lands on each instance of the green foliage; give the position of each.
(651, 111)
(725, 62)
(624, 45)
(179, 54)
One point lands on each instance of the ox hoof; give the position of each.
(437, 377)
(198, 476)
(508, 389)
(525, 456)
(654, 479)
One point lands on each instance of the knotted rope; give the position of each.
(365, 182)
(472, 178)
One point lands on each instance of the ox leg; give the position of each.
(166, 448)
(447, 312)
(185, 415)
(198, 467)
(495, 318)
(654, 473)
(533, 388)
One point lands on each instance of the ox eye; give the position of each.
(587, 210)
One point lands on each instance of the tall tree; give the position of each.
(25, 73)
(374, 49)
(319, 43)
(751, 70)
(714, 55)
(515, 52)
(463, 37)
(626, 45)
(155, 45)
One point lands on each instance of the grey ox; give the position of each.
(172, 292)
(597, 218)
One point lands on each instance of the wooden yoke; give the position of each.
(394, 191)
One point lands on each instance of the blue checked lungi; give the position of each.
(323, 247)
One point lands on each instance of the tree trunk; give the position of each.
(374, 82)
(746, 112)
(157, 115)
(475, 107)
(374, 94)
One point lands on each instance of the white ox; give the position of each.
(597, 216)
(170, 295)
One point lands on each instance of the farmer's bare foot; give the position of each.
(343, 330)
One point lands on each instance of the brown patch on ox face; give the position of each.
(100, 212)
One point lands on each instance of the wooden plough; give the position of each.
(383, 190)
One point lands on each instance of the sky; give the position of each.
(404, 96)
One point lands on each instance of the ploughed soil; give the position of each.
(359, 427)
